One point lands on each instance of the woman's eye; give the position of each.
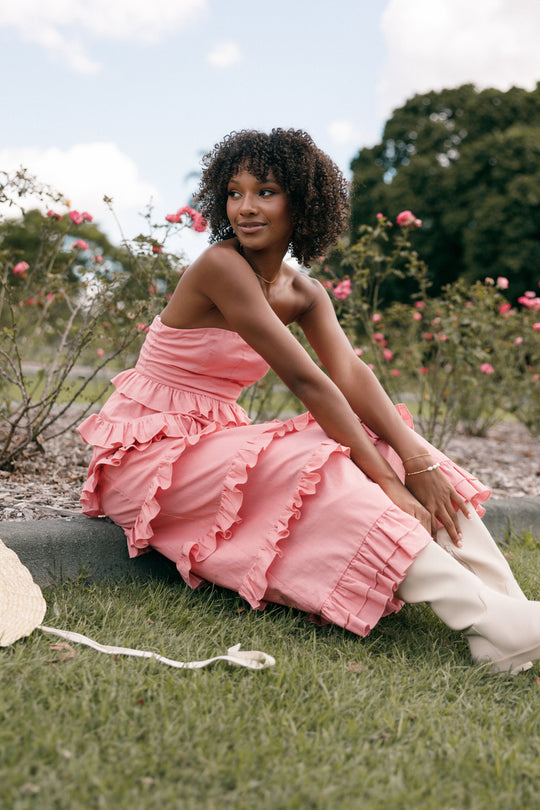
(232, 193)
(267, 192)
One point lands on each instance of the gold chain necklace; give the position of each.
(265, 279)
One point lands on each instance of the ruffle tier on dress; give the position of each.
(275, 511)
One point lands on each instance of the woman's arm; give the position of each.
(369, 401)
(229, 284)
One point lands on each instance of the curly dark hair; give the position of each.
(317, 191)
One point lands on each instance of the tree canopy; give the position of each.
(467, 163)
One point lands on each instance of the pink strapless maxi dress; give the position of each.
(275, 511)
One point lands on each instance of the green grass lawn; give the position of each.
(400, 719)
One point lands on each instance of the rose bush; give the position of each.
(464, 359)
(70, 304)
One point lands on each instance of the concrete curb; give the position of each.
(65, 548)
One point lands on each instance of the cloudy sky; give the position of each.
(121, 97)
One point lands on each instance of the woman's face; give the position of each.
(259, 212)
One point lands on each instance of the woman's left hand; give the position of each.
(440, 498)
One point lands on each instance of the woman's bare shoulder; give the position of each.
(214, 256)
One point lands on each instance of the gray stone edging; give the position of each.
(64, 548)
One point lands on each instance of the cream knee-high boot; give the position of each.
(503, 630)
(481, 555)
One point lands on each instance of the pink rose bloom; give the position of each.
(417, 316)
(100, 352)
(343, 289)
(442, 337)
(378, 337)
(142, 327)
(199, 222)
(395, 372)
(75, 217)
(371, 366)
(173, 217)
(328, 285)
(419, 304)
(423, 370)
(380, 216)
(518, 341)
(427, 335)
(536, 327)
(80, 244)
(157, 249)
(505, 308)
(54, 215)
(377, 318)
(406, 218)
(487, 368)
(489, 281)
(21, 268)
(359, 352)
(528, 300)
(98, 258)
(86, 216)
(502, 283)
(387, 354)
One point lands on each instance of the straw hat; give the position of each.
(22, 606)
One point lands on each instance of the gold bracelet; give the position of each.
(410, 458)
(426, 469)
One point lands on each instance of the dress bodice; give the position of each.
(215, 361)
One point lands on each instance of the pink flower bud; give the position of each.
(377, 318)
(80, 244)
(427, 335)
(20, 269)
(406, 218)
(100, 352)
(387, 354)
(395, 372)
(417, 316)
(502, 283)
(423, 370)
(419, 304)
(504, 308)
(75, 217)
(173, 218)
(157, 249)
(359, 352)
(487, 368)
(380, 216)
(98, 258)
(518, 341)
(536, 327)
(54, 215)
(343, 289)
(86, 216)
